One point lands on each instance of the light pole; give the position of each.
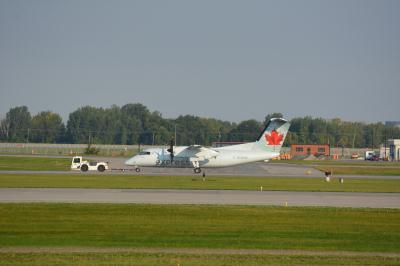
(175, 136)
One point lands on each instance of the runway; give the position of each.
(213, 197)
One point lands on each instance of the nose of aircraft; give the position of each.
(131, 161)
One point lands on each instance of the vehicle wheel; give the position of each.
(84, 168)
(101, 168)
(197, 170)
(137, 170)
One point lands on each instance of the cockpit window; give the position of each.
(144, 153)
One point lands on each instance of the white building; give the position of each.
(384, 152)
(394, 146)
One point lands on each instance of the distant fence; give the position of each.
(347, 152)
(342, 153)
(117, 150)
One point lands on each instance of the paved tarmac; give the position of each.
(250, 169)
(214, 197)
(258, 169)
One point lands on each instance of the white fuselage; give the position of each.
(226, 156)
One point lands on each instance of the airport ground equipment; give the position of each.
(371, 156)
(79, 164)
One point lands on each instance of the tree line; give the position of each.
(132, 124)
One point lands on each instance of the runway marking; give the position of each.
(289, 252)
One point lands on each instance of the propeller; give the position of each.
(171, 149)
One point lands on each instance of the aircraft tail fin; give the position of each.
(273, 135)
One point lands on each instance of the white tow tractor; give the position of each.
(79, 164)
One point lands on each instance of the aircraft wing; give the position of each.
(199, 152)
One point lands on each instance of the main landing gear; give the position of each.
(197, 170)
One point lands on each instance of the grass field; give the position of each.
(11, 163)
(190, 182)
(186, 259)
(358, 170)
(341, 163)
(194, 226)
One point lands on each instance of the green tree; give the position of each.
(109, 125)
(246, 131)
(18, 120)
(133, 123)
(4, 129)
(272, 115)
(47, 127)
(85, 125)
(135, 117)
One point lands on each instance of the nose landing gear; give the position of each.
(197, 170)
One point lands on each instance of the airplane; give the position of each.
(266, 147)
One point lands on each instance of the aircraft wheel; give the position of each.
(137, 170)
(197, 170)
(84, 168)
(101, 168)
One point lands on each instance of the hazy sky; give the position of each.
(231, 60)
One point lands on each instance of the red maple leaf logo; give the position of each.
(274, 138)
